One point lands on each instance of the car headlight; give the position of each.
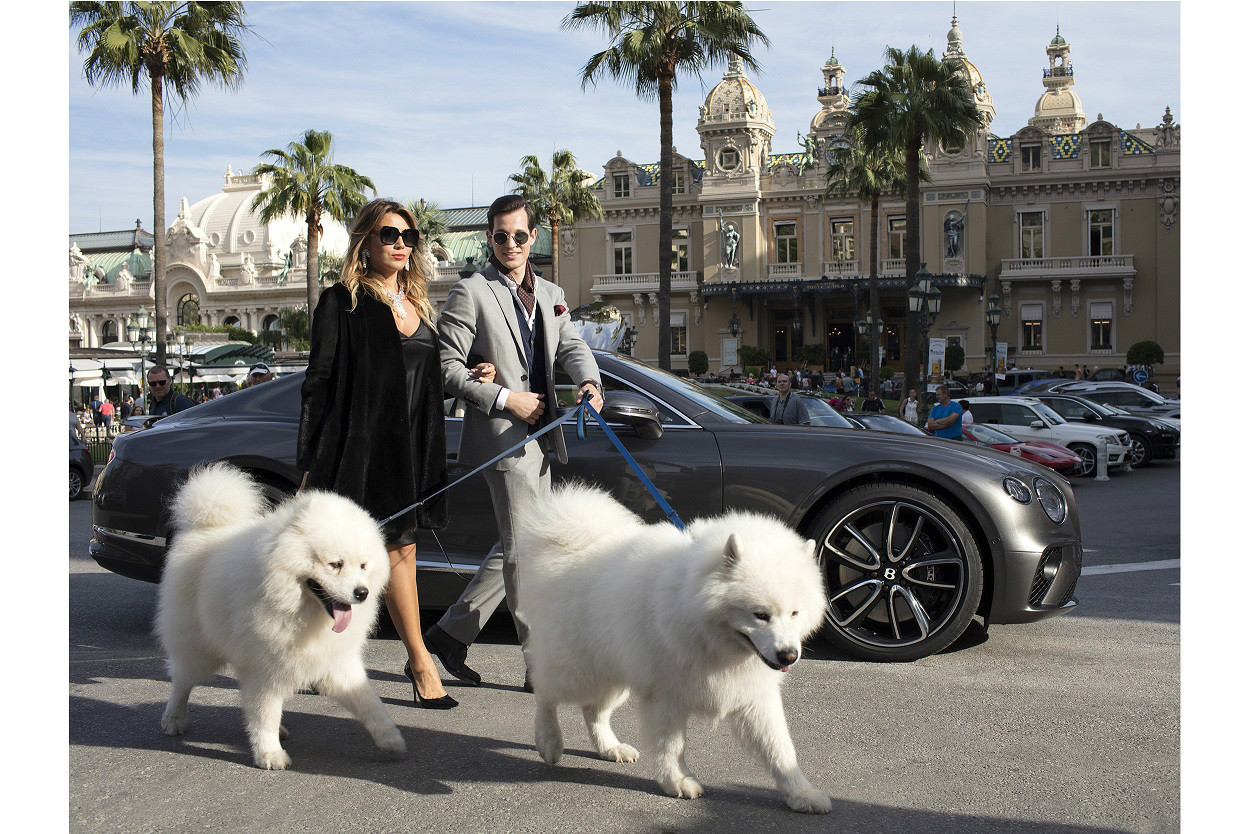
(1109, 439)
(1160, 426)
(1017, 489)
(1051, 499)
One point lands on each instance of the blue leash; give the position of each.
(580, 413)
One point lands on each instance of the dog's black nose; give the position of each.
(787, 656)
(361, 593)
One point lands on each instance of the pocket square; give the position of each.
(561, 309)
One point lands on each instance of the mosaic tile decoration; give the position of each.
(1065, 146)
(781, 158)
(1131, 145)
(1000, 149)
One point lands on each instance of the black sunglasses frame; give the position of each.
(519, 238)
(389, 234)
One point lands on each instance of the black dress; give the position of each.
(420, 359)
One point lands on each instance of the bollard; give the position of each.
(1128, 464)
(1101, 465)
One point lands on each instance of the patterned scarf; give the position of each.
(524, 290)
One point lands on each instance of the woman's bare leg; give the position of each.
(405, 611)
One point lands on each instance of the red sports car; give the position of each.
(1062, 460)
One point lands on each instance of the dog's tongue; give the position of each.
(342, 616)
(785, 668)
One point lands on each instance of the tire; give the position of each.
(275, 493)
(1089, 459)
(875, 598)
(1139, 451)
(77, 483)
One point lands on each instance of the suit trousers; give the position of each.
(496, 579)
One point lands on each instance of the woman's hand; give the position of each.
(483, 372)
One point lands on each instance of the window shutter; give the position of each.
(1030, 312)
(1101, 310)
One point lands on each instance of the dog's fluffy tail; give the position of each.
(216, 495)
(573, 519)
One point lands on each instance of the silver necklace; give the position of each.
(397, 304)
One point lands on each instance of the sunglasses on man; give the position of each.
(158, 382)
(501, 238)
(389, 234)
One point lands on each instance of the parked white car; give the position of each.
(1028, 418)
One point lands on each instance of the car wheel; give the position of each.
(902, 569)
(274, 492)
(76, 482)
(1089, 459)
(1139, 450)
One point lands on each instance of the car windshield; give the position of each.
(731, 412)
(1049, 413)
(886, 422)
(820, 413)
(1103, 410)
(1111, 409)
(987, 435)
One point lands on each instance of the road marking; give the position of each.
(1163, 564)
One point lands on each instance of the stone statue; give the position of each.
(953, 227)
(731, 239)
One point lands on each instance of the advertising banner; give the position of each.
(1000, 361)
(937, 357)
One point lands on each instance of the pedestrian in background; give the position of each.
(967, 419)
(946, 417)
(909, 409)
(873, 403)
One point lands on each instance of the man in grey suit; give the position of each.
(786, 408)
(521, 323)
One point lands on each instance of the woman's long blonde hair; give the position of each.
(413, 278)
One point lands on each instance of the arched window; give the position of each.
(231, 321)
(189, 309)
(271, 323)
(108, 332)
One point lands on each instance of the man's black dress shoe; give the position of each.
(451, 653)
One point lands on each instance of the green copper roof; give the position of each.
(464, 244)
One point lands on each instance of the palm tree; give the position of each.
(650, 43)
(305, 182)
(431, 223)
(563, 197)
(915, 99)
(868, 172)
(177, 47)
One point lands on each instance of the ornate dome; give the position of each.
(1058, 101)
(955, 54)
(735, 98)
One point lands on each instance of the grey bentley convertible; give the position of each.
(915, 535)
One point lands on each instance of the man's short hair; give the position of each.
(943, 387)
(508, 204)
(156, 368)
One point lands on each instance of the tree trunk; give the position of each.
(914, 374)
(666, 220)
(554, 222)
(314, 267)
(874, 299)
(158, 211)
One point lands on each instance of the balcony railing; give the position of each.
(136, 288)
(893, 266)
(836, 268)
(784, 270)
(1080, 266)
(642, 282)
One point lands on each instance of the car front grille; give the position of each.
(1048, 570)
(1070, 590)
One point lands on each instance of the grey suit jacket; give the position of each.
(792, 414)
(479, 320)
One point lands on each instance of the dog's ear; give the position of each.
(733, 551)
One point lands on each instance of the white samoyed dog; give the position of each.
(701, 622)
(286, 597)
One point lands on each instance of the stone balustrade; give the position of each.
(642, 282)
(1076, 266)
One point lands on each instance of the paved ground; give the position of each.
(1069, 725)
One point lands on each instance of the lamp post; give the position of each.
(925, 302)
(993, 315)
(71, 381)
(139, 332)
(870, 326)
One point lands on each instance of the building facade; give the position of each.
(1073, 223)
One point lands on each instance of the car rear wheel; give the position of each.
(1139, 450)
(1089, 459)
(903, 572)
(76, 482)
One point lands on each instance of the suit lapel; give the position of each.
(506, 305)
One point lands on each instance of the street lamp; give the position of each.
(139, 332)
(925, 302)
(993, 315)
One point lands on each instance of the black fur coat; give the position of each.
(355, 434)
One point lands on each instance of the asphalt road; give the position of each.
(1068, 725)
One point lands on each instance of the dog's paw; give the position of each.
(550, 747)
(393, 742)
(273, 760)
(174, 725)
(810, 801)
(282, 732)
(620, 753)
(682, 787)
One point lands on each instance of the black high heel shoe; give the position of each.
(445, 702)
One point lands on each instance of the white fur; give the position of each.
(615, 605)
(233, 592)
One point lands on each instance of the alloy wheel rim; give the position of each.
(75, 484)
(897, 574)
(1088, 461)
(1137, 452)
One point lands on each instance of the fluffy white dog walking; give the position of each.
(705, 621)
(286, 597)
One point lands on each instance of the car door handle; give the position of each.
(453, 456)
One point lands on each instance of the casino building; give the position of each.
(1073, 222)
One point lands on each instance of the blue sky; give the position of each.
(440, 100)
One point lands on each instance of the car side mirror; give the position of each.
(1037, 424)
(633, 410)
(1091, 418)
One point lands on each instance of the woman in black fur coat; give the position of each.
(371, 422)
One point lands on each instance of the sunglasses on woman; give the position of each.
(501, 238)
(389, 234)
